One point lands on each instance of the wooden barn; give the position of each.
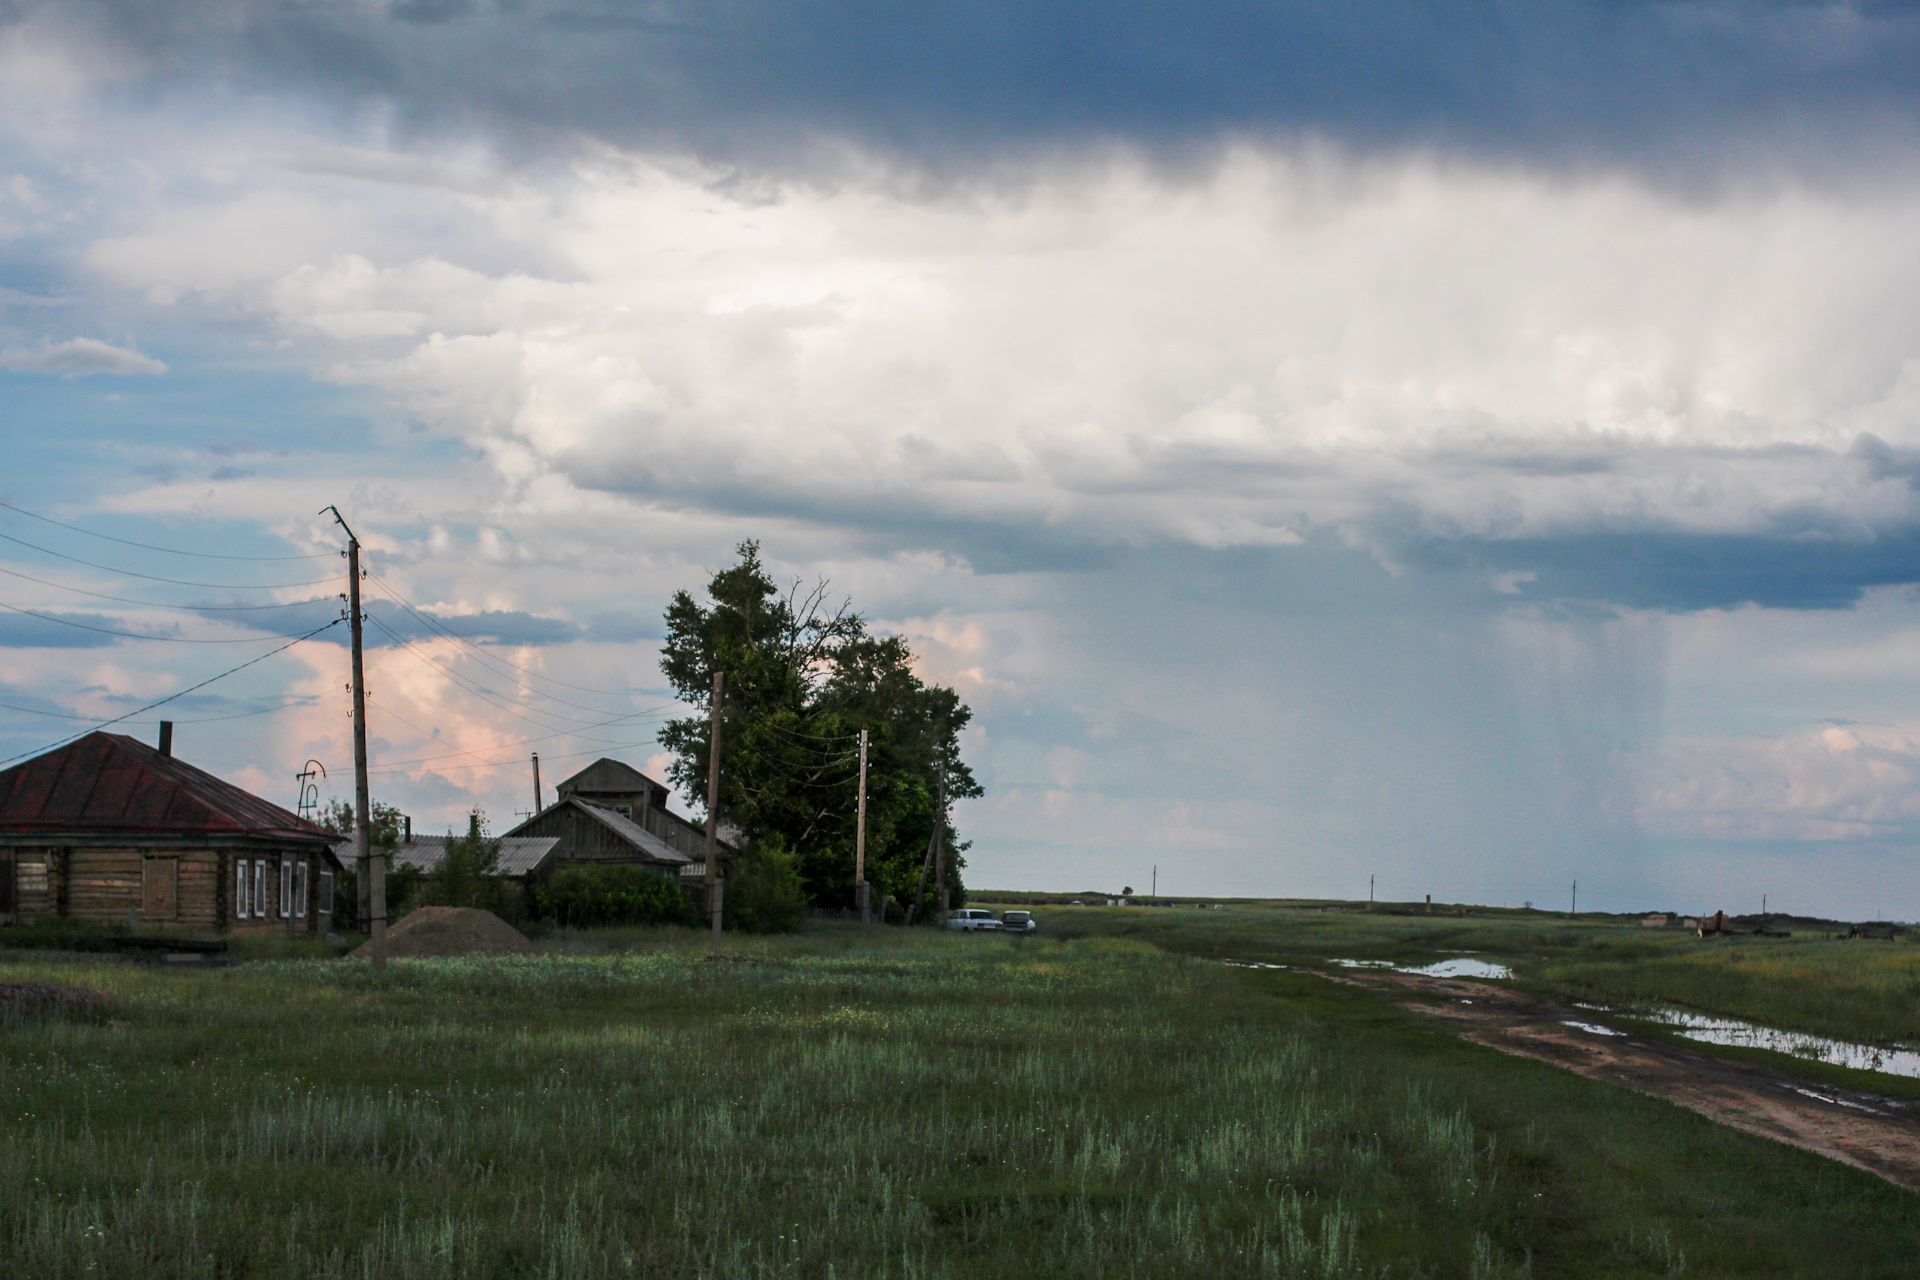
(110, 831)
(610, 812)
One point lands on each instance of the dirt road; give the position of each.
(1879, 1135)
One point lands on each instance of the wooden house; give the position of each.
(109, 831)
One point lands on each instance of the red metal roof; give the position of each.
(107, 783)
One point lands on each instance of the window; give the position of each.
(260, 887)
(300, 889)
(240, 886)
(326, 897)
(286, 887)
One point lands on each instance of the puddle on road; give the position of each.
(1462, 968)
(1592, 1028)
(1746, 1035)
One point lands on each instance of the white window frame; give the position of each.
(259, 888)
(286, 888)
(300, 889)
(326, 895)
(241, 899)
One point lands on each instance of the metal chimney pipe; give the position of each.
(166, 737)
(409, 822)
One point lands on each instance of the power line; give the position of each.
(432, 735)
(435, 623)
(474, 686)
(150, 577)
(238, 715)
(155, 604)
(148, 546)
(136, 635)
(172, 696)
(502, 764)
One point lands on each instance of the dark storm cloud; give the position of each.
(389, 624)
(59, 631)
(1681, 572)
(953, 77)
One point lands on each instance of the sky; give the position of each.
(1460, 450)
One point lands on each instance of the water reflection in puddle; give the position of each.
(1592, 1028)
(1745, 1035)
(1461, 968)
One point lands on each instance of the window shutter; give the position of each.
(300, 889)
(240, 889)
(286, 887)
(257, 907)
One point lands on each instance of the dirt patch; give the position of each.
(1870, 1132)
(32, 999)
(451, 931)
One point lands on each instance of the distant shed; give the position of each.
(110, 831)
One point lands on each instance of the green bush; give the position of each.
(764, 893)
(613, 895)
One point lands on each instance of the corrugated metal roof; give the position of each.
(107, 783)
(518, 854)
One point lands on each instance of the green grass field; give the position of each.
(830, 1105)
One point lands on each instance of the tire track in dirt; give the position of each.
(1869, 1132)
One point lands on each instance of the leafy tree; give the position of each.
(583, 896)
(764, 892)
(469, 873)
(802, 680)
(383, 832)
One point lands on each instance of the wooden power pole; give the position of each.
(713, 808)
(370, 868)
(860, 889)
(940, 852)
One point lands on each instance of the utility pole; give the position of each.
(713, 808)
(536, 783)
(371, 868)
(1153, 886)
(1574, 909)
(860, 887)
(940, 851)
(1369, 893)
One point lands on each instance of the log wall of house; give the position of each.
(31, 872)
(188, 889)
(123, 886)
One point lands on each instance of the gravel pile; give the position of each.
(451, 931)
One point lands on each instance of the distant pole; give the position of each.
(536, 782)
(1573, 908)
(713, 808)
(1369, 893)
(940, 851)
(860, 844)
(372, 870)
(1154, 885)
(1763, 904)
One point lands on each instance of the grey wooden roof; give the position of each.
(628, 830)
(518, 854)
(606, 774)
